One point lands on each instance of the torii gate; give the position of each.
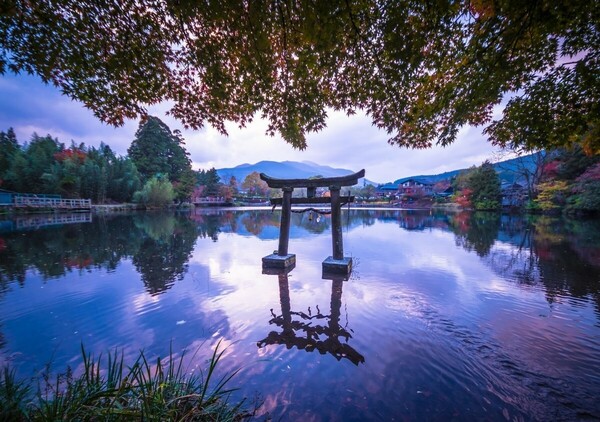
(282, 259)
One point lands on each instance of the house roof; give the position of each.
(417, 180)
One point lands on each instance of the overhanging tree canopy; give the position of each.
(419, 69)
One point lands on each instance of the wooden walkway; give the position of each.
(211, 202)
(33, 201)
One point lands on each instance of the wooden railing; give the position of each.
(211, 200)
(54, 203)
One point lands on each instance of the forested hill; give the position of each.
(507, 170)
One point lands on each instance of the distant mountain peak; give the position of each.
(284, 169)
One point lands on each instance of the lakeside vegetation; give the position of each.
(157, 173)
(109, 389)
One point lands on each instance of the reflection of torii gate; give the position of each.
(324, 338)
(282, 259)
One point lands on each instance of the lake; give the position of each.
(445, 317)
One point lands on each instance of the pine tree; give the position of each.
(158, 151)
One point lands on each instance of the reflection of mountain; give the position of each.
(265, 224)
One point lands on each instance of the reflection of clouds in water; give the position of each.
(390, 251)
(141, 302)
(280, 400)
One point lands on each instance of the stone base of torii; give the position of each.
(337, 262)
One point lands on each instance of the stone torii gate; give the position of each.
(336, 263)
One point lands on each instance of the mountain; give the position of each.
(285, 169)
(509, 171)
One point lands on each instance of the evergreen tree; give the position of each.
(125, 180)
(210, 180)
(39, 157)
(156, 150)
(9, 147)
(485, 185)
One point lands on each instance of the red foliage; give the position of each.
(591, 174)
(464, 197)
(78, 262)
(461, 222)
(550, 170)
(225, 192)
(74, 154)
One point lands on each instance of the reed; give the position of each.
(109, 390)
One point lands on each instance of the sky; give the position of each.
(352, 143)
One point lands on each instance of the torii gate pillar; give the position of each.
(336, 263)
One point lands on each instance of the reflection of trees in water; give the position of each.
(255, 221)
(211, 222)
(312, 331)
(560, 255)
(515, 258)
(158, 244)
(566, 252)
(165, 250)
(57, 250)
(476, 231)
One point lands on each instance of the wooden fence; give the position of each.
(32, 201)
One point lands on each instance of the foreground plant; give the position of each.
(144, 391)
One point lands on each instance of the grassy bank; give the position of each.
(109, 390)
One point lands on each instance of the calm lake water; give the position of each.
(445, 317)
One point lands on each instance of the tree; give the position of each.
(586, 192)
(233, 185)
(368, 191)
(485, 185)
(210, 179)
(462, 189)
(254, 186)
(9, 147)
(420, 70)
(528, 169)
(156, 150)
(184, 186)
(478, 188)
(39, 156)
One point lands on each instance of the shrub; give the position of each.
(157, 192)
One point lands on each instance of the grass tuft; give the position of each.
(145, 391)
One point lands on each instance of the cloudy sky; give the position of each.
(29, 106)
